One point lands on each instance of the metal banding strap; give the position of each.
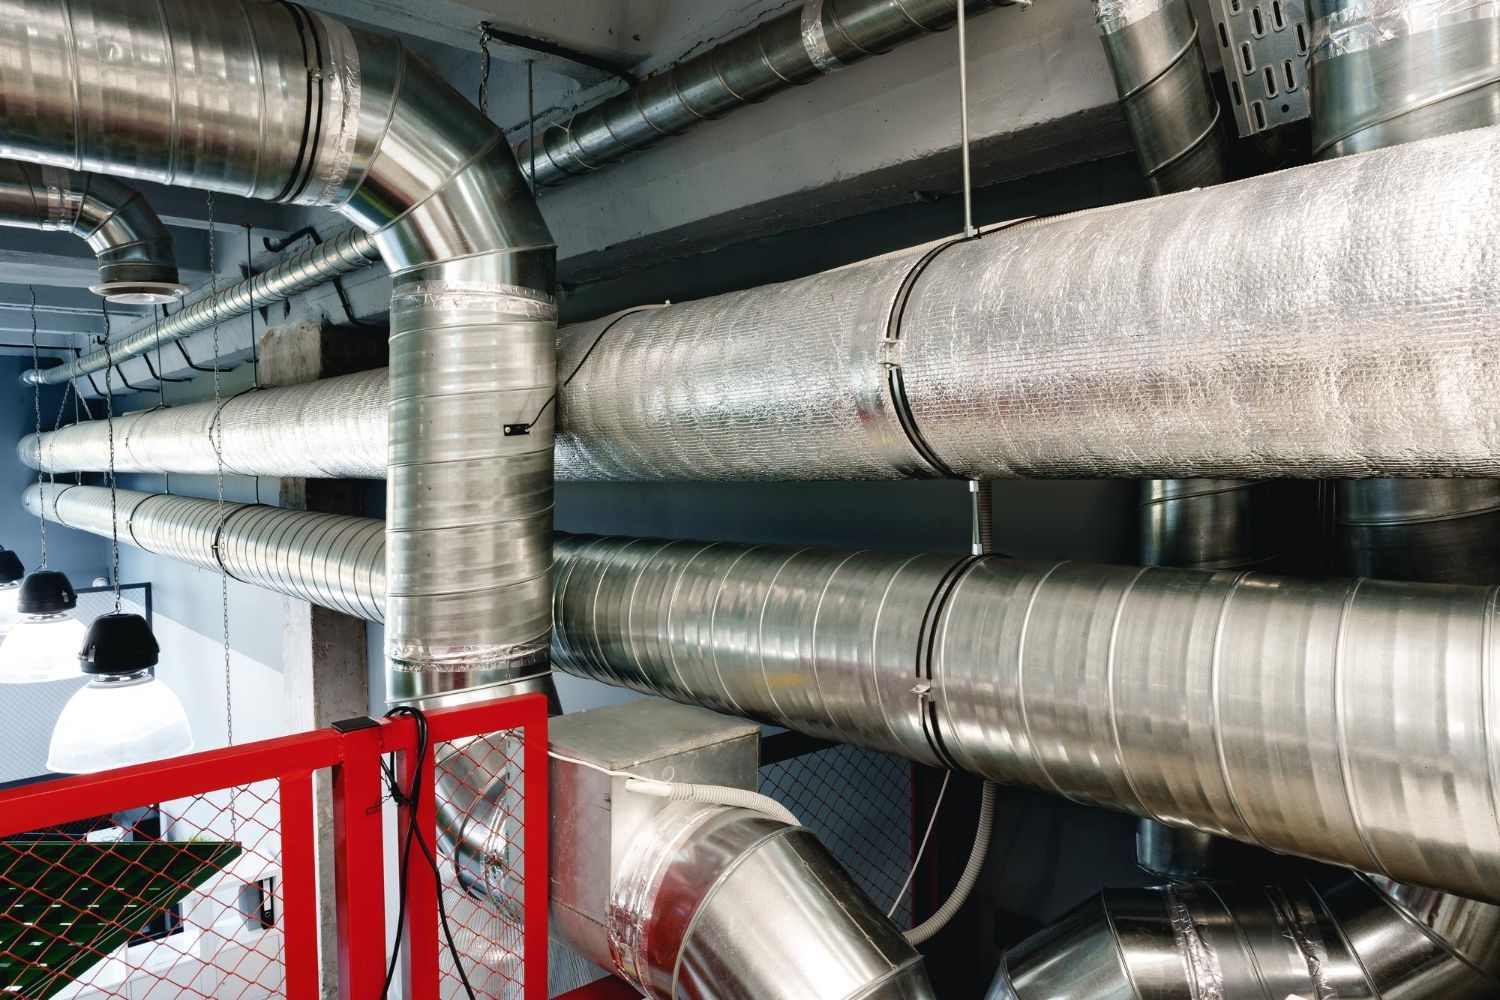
(926, 641)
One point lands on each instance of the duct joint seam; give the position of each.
(815, 38)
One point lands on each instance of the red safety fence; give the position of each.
(198, 877)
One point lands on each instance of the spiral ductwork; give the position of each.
(347, 252)
(269, 100)
(1339, 720)
(1351, 940)
(134, 250)
(813, 39)
(1132, 341)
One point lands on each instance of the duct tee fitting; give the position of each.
(134, 249)
(213, 98)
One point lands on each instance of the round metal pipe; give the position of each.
(813, 39)
(134, 249)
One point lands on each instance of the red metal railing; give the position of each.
(195, 876)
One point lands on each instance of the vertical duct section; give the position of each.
(1383, 74)
(1352, 940)
(813, 39)
(134, 250)
(269, 100)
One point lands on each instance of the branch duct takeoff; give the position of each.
(136, 260)
(272, 101)
(813, 39)
(1133, 341)
(1341, 721)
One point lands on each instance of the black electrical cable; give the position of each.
(410, 799)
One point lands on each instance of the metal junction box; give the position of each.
(594, 819)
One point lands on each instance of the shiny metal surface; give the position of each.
(690, 910)
(812, 39)
(1206, 523)
(1247, 941)
(345, 253)
(269, 100)
(1165, 93)
(134, 249)
(1385, 73)
(1077, 346)
(1341, 720)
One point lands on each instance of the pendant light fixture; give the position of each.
(124, 715)
(42, 645)
(11, 575)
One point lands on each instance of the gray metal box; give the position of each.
(594, 818)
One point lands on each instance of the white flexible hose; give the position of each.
(719, 795)
(929, 927)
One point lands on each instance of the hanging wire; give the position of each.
(254, 344)
(484, 71)
(531, 121)
(916, 862)
(36, 405)
(109, 426)
(963, 114)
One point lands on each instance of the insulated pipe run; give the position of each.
(1133, 341)
(813, 39)
(345, 253)
(136, 261)
(270, 100)
(1343, 721)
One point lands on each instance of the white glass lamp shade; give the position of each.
(41, 649)
(9, 616)
(116, 722)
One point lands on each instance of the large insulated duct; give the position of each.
(133, 248)
(347, 252)
(1345, 721)
(1383, 74)
(813, 39)
(1354, 939)
(1154, 338)
(270, 100)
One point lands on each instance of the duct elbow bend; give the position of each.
(692, 915)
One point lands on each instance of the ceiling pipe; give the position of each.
(270, 100)
(1352, 939)
(813, 39)
(345, 253)
(1384, 74)
(134, 249)
(1131, 341)
(1342, 721)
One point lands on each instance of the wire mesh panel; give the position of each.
(858, 802)
(165, 900)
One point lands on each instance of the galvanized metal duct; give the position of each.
(1351, 940)
(1383, 74)
(691, 905)
(813, 39)
(269, 100)
(134, 249)
(1131, 341)
(345, 253)
(1342, 721)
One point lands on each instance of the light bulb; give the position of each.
(116, 721)
(9, 616)
(40, 649)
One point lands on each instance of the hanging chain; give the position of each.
(109, 426)
(216, 437)
(254, 343)
(36, 405)
(161, 395)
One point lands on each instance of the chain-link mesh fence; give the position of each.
(168, 900)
